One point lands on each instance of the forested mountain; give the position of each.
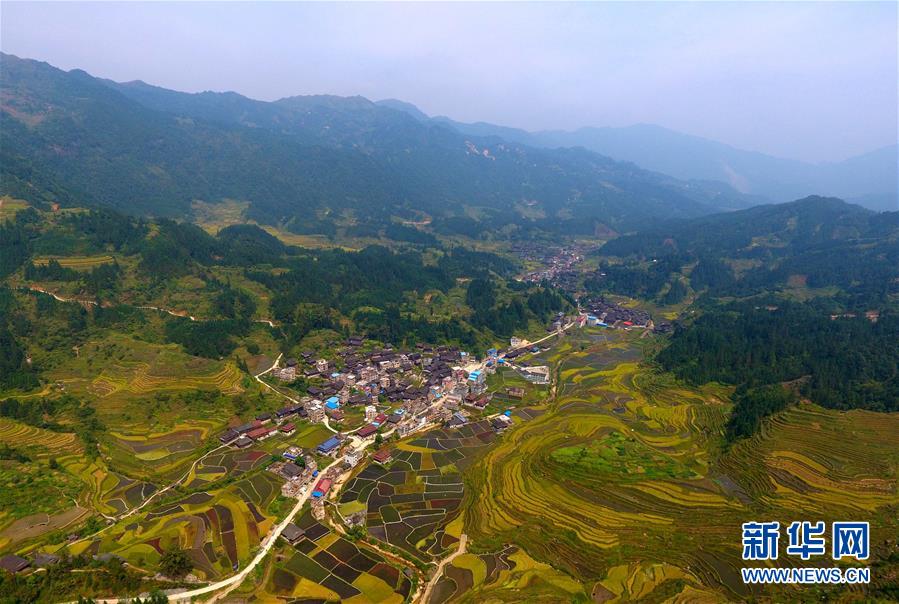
(814, 242)
(803, 294)
(305, 161)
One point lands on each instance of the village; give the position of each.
(376, 392)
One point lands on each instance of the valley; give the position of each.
(327, 349)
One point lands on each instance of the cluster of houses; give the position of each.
(558, 264)
(424, 385)
(605, 313)
(265, 425)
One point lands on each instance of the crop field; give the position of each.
(507, 575)
(217, 529)
(78, 263)
(410, 502)
(624, 483)
(325, 566)
(229, 463)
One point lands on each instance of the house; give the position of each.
(316, 412)
(228, 435)
(292, 533)
(292, 453)
(264, 418)
(333, 402)
(321, 365)
(13, 563)
(458, 419)
(501, 422)
(329, 447)
(371, 412)
(366, 431)
(288, 374)
(243, 442)
(383, 456)
(291, 471)
(282, 413)
(353, 457)
(260, 433)
(288, 428)
(322, 488)
(335, 414)
(43, 560)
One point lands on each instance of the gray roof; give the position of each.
(14, 563)
(292, 532)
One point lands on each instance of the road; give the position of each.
(183, 314)
(463, 541)
(233, 581)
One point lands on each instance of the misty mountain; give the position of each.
(869, 179)
(310, 161)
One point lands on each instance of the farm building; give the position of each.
(292, 533)
(329, 446)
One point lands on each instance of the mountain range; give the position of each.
(870, 179)
(307, 162)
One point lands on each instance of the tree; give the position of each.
(379, 439)
(175, 563)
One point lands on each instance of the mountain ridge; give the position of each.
(307, 161)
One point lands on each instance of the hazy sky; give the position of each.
(814, 81)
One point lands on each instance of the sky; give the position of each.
(810, 81)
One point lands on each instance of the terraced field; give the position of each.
(324, 566)
(160, 456)
(120, 368)
(412, 502)
(36, 498)
(218, 529)
(624, 483)
(508, 575)
(78, 263)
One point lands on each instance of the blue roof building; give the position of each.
(329, 445)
